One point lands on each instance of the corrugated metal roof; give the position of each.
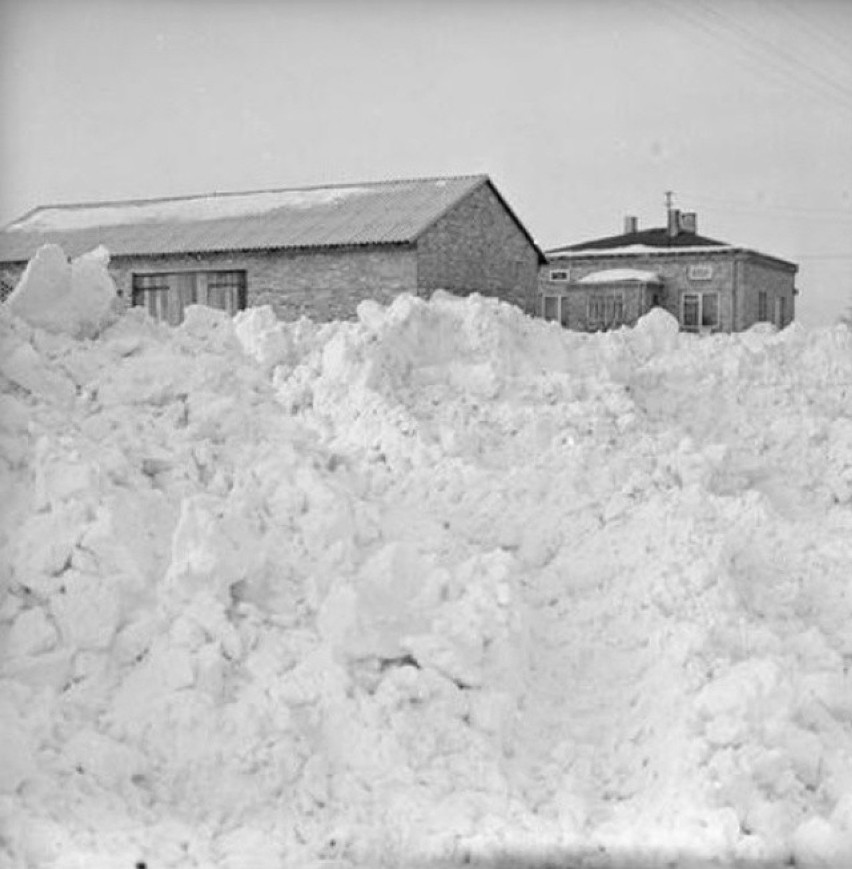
(387, 212)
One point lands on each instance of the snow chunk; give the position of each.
(30, 634)
(75, 299)
(658, 331)
(818, 844)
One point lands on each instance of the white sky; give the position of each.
(581, 112)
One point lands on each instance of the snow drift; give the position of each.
(444, 583)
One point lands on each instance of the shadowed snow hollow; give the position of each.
(446, 582)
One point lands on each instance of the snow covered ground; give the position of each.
(444, 584)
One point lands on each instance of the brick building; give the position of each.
(710, 286)
(315, 251)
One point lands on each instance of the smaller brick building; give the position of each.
(313, 251)
(710, 286)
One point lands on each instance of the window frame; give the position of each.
(169, 303)
(605, 310)
(700, 327)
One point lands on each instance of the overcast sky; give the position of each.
(581, 112)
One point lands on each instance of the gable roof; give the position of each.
(385, 212)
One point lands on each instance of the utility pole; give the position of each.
(669, 194)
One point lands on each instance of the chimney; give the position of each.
(631, 225)
(674, 222)
(689, 222)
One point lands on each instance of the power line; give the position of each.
(770, 65)
(734, 27)
(759, 208)
(826, 38)
(824, 256)
(776, 213)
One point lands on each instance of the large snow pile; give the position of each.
(443, 583)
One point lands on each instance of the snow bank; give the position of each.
(442, 583)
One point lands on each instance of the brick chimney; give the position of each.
(689, 222)
(631, 225)
(674, 222)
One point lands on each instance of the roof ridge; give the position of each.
(227, 193)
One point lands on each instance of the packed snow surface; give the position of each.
(445, 583)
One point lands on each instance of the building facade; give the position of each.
(314, 252)
(710, 286)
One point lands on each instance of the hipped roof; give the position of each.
(654, 241)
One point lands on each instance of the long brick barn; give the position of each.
(314, 251)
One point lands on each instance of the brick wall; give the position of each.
(478, 246)
(324, 285)
(673, 270)
(777, 281)
(737, 277)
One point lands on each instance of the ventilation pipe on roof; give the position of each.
(631, 225)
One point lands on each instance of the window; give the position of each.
(559, 275)
(700, 312)
(780, 312)
(226, 290)
(165, 295)
(605, 311)
(762, 306)
(555, 308)
(700, 272)
(152, 293)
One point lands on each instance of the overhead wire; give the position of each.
(836, 48)
(736, 27)
(759, 54)
(806, 213)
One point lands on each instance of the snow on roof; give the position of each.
(626, 250)
(211, 207)
(608, 276)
